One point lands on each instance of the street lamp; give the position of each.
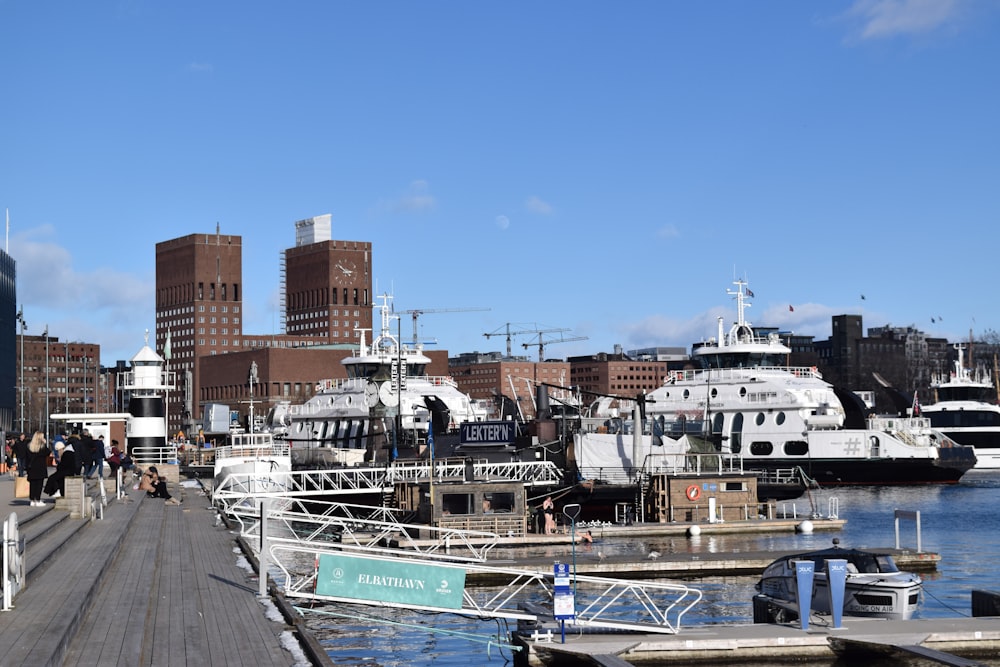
(20, 318)
(46, 334)
(85, 360)
(66, 366)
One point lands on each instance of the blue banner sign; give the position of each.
(487, 433)
(836, 580)
(805, 571)
(402, 582)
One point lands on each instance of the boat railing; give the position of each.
(727, 374)
(912, 431)
(146, 456)
(270, 449)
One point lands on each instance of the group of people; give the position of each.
(74, 455)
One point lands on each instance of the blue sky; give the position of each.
(604, 168)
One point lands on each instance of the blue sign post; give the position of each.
(564, 606)
(836, 579)
(804, 573)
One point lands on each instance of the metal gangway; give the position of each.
(361, 527)
(246, 488)
(291, 543)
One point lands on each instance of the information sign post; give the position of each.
(563, 604)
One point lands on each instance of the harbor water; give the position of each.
(960, 522)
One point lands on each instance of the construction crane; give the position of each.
(509, 334)
(542, 343)
(416, 313)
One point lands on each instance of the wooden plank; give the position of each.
(869, 648)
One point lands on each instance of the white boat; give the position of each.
(965, 410)
(348, 421)
(750, 403)
(875, 587)
(256, 458)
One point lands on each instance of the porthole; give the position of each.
(761, 448)
(759, 419)
(779, 418)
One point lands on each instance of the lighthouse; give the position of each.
(147, 384)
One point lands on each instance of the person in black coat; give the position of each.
(38, 468)
(67, 467)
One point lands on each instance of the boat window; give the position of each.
(779, 418)
(717, 425)
(498, 502)
(715, 392)
(457, 503)
(687, 393)
(736, 434)
(761, 448)
(886, 563)
(759, 419)
(796, 448)
(743, 392)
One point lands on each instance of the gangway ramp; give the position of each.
(301, 557)
(239, 488)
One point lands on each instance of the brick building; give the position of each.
(326, 297)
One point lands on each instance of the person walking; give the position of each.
(85, 453)
(97, 457)
(37, 468)
(20, 448)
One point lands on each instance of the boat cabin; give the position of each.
(492, 506)
(711, 498)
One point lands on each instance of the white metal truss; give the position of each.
(241, 488)
(359, 528)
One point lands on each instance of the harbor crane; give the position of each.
(416, 313)
(541, 343)
(522, 332)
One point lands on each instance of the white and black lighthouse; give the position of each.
(146, 386)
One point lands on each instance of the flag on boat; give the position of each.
(916, 404)
(430, 438)
(749, 293)
(791, 309)
(862, 297)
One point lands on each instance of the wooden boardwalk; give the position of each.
(150, 584)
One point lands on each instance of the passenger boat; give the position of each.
(748, 401)
(387, 398)
(965, 410)
(875, 586)
(256, 458)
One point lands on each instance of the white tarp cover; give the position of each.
(609, 451)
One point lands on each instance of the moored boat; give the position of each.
(256, 459)
(746, 399)
(875, 587)
(966, 411)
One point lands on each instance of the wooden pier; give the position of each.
(149, 584)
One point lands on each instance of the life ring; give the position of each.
(693, 492)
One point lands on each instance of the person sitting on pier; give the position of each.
(67, 467)
(156, 487)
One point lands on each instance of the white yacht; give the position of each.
(256, 458)
(965, 409)
(746, 399)
(347, 421)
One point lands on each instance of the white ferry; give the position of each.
(751, 404)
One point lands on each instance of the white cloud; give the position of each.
(503, 222)
(415, 199)
(99, 305)
(538, 205)
(888, 18)
(668, 232)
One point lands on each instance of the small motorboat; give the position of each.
(874, 587)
